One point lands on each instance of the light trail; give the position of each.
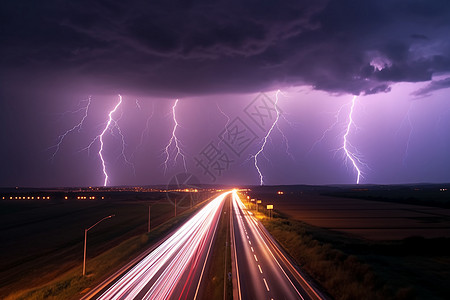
(255, 157)
(268, 273)
(76, 127)
(346, 145)
(174, 139)
(171, 265)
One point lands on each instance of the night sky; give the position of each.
(225, 62)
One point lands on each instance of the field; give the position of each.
(364, 249)
(373, 220)
(43, 239)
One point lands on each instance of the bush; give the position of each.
(342, 276)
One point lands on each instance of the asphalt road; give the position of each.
(263, 270)
(175, 269)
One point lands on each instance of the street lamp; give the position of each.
(148, 229)
(85, 240)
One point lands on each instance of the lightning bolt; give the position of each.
(347, 145)
(255, 157)
(329, 129)
(111, 124)
(174, 140)
(122, 154)
(226, 124)
(224, 114)
(285, 139)
(100, 151)
(138, 105)
(406, 120)
(144, 132)
(76, 127)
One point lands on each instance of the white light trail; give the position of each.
(179, 254)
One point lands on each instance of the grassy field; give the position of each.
(368, 219)
(217, 283)
(349, 266)
(43, 240)
(426, 195)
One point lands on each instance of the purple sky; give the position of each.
(395, 55)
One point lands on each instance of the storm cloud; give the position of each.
(200, 47)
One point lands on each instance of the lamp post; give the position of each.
(85, 240)
(148, 231)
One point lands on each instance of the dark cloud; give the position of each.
(200, 47)
(433, 86)
(382, 88)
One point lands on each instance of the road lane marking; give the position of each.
(255, 257)
(252, 249)
(265, 282)
(259, 267)
(257, 229)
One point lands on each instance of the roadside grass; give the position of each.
(216, 274)
(43, 241)
(351, 268)
(342, 276)
(71, 284)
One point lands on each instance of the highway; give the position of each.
(175, 269)
(262, 270)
